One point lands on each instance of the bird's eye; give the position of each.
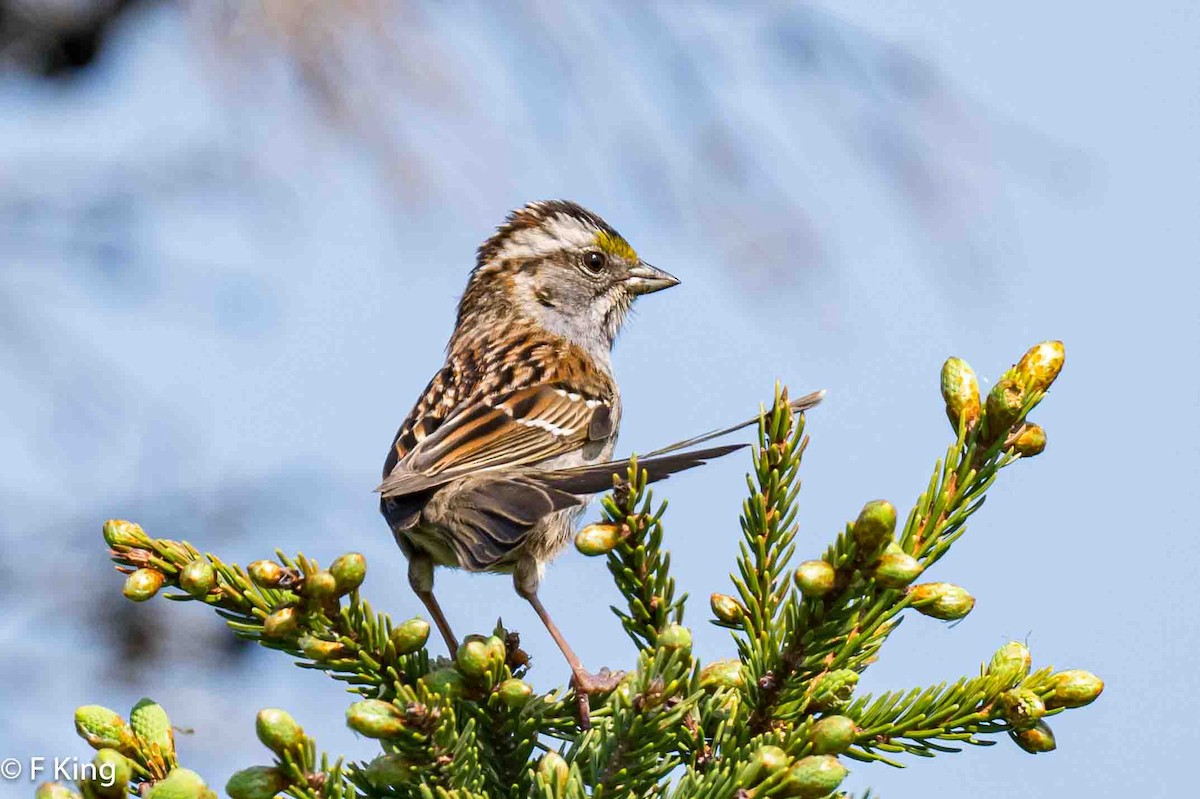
(593, 261)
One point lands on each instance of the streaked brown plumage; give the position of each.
(514, 434)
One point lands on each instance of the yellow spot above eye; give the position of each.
(615, 246)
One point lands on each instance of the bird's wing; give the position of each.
(518, 428)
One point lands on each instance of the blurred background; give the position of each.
(232, 236)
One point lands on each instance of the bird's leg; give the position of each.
(420, 577)
(525, 579)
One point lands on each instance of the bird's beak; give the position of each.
(646, 279)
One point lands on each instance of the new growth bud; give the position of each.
(348, 572)
(812, 777)
(1011, 663)
(152, 728)
(1004, 404)
(1041, 364)
(410, 636)
(181, 783)
(1074, 688)
(874, 527)
(944, 601)
(722, 674)
(283, 623)
(1035, 740)
(598, 539)
(815, 578)
(897, 568)
(727, 609)
(675, 638)
(477, 657)
(321, 586)
(198, 578)
(833, 734)
(1022, 708)
(120, 533)
(265, 573)
(55, 790)
(446, 682)
(1028, 440)
(256, 782)
(554, 772)
(834, 689)
(960, 390)
(103, 728)
(277, 730)
(765, 762)
(143, 584)
(514, 693)
(115, 772)
(375, 718)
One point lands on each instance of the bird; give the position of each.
(514, 434)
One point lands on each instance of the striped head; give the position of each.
(561, 267)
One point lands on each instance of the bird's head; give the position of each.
(561, 267)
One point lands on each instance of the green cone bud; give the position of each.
(410, 636)
(897, 568)
(447, 682)
(727, 609)
(348, 572)
(283, 623)
(1004, 404)
(723, 674)
(812, 777)
(1074, 688)
(321, 586)
(152, 727)
(375, 718)
(181, 783)
(277, 730)
(265, 573)
(833, 734)
(598, 539)
(256, 782)
(1035, 740)
(874, 527)
(143, 584)
(766, 761)
(386, 771)
(675, 637)
(960, 390)
(113, 773)
(120, 533)
(477, 657)
(1022, 708)
(554, 772)
(1041, 364)
(1029, 440)
(815, 578)
(944, 601)
(54, 790)
(320, 650)
(1011, 662)
(514, 693)
(198, 578)
(103, 728)
(834, 689)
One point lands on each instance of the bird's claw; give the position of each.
(587, 684)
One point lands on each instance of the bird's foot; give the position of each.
(587, 684)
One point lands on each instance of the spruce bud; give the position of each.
(181, 783)
(834, 689)
(143, 584)
(387, 771)
(478, 656)
(321, 586)
(348, 572)
(897, 568)
(120, 533)
(375, 718)
(727, 609)
(152, 727)
(447, 682)
(1040, 365)
(874, 528)
(1022, 708)
(763, 763)
(265, 573)
(283, 623)
(598, 539)
(198, 578)
(514, 693)
(256, 782)
(1035, 740)
(319, 649)
(54, 790)
(1074, 688)
(277, 730)
(675, 638)
(723, 674)
(812, 777)
(833, 734)
(1004, 404)
(1029, 440)
(944, 601)
(960, 390)
(410, 636)
(113, 773)
(554, 772)
(103, 728)
(815, 578)
(1011, 662)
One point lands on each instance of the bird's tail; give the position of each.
(661, 463)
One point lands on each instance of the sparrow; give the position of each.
(514, 434)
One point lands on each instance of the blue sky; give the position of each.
(222, 294)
